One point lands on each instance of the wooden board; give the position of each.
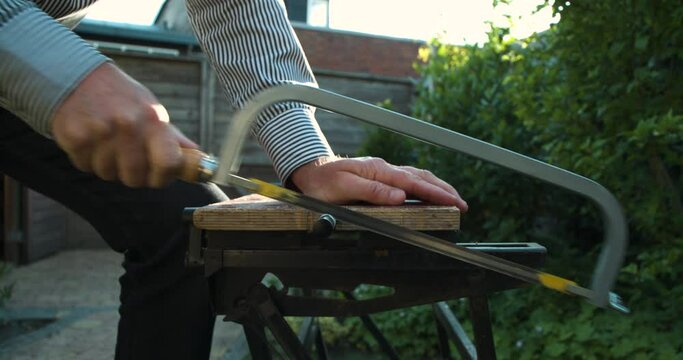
(257, 213)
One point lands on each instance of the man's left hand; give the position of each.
(373, 180)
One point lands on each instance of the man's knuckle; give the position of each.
(133, 179)
(126, 123)
(78, 141)
(133, 173)
(371, 167)
(377, 161)
(165, 170)
(132, 170)
(165, 167)
(105, 174)
(378, 190)
(406, 174)
(100, 128)
(103, 167)
(425, 172)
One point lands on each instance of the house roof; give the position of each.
(326, 49)
(134, 33)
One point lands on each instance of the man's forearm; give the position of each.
(252, 47)
(41, 61)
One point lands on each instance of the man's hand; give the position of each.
(113, 126)
(340, 180)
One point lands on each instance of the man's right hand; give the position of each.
(115, 127)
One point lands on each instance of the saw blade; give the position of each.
(412, 237)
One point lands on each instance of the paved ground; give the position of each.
(80, 290)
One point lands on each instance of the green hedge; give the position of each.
(600, 94)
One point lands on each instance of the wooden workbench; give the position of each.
(255, 212)
(238, 242)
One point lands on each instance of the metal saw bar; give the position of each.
(616, 232)
(412, 237)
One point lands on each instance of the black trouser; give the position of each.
(165, 310)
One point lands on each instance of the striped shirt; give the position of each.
(250, 44)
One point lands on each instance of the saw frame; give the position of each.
(615, 228)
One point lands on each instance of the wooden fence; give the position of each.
(188, 88)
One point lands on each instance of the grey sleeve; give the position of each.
(41, 62)
(252, 46)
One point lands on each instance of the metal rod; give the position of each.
(447, 322)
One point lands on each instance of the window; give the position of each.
(311, 12)
(297, 10)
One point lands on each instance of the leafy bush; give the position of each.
(600, 94)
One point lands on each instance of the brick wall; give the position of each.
(358, 53)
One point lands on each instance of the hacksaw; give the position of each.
(202, 167)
